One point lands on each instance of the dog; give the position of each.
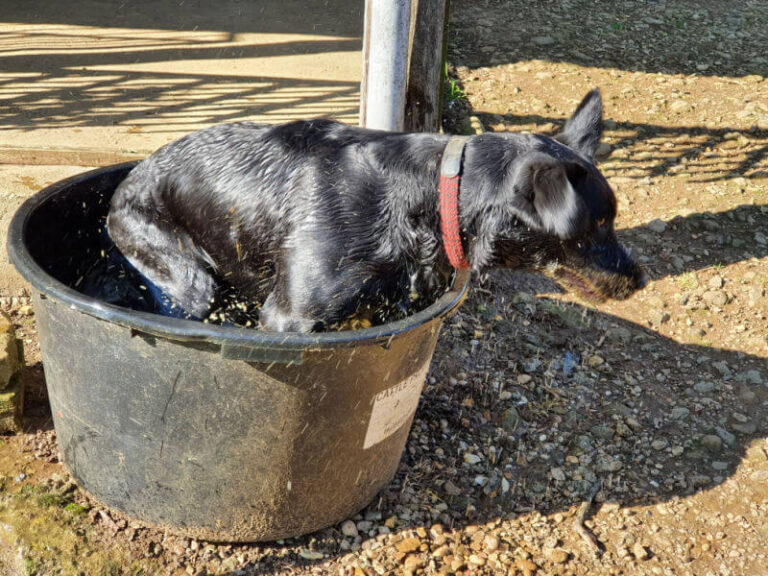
(322, 222)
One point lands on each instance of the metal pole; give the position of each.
(385, 64)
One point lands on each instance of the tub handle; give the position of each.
(262, 355)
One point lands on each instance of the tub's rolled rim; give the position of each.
(190, 330)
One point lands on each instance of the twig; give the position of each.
(581, 516)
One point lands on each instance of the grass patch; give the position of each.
(688, 281)
(453, 91)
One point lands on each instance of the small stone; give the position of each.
(633, 424)
(523, 379)
(640, 552)
(349, 529)
(490, 543)
(659, 444)
(408, 545)
(308, 555)
(704, 387)
(658, 226)
(658, 317)
(527, 567)
(716, 282)
(543, 40)
(471, 459)
(510, 419)
(679, 413)
(559, 556)
(716, 298)
(747, 396)
(412, 563)
(476, 560)
(680, 106)
(607, 463)
(595, 361)
(557, 474)
(711, 442)
(746, 428)
(451, 489)
(751, 377)
(725, 436)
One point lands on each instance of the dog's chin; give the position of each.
(581, 285)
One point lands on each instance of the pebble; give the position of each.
(716, 298)
(679, 412)
(607, 463)
(659, 444)
(745, 428)
(715, 282)
(408, 545)
(543, 40)
(476, 560)
(413, 563)
(472, 459)
(349, 529)
(311, 555)
(725, 436)
(595, 361)
(640, 552)
(751, 377)
(658, 317)
(559, 556)
(680, 106)
(527, 567)
(658, 226)
(704, 387)
(711, 442)
(490, 543)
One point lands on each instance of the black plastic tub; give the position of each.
(216, 432)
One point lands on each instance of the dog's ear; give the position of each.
(547, 197)
(584, 129)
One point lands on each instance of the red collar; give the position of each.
(450, 170)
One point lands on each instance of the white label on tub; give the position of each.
(393, 407)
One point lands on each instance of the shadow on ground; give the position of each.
(169, 66)
(645, 151)
(636, 35)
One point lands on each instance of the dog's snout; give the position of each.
(642, 280)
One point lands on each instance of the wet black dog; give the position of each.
(323, 222)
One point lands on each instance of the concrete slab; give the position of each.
(131, 76)
(16, 184)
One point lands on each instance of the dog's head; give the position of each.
(541, 203)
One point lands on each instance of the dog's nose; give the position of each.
(643, 280)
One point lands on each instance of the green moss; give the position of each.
(55, 538)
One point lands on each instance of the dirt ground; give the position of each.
(535, 402)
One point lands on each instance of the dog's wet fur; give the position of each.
(324, 222)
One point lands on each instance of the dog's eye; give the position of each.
(601, 222)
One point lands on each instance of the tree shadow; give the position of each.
(641, 152)
(646, 36)
(170, 67)
(318, 17)
(721, 238)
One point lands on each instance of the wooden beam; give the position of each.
(423, 101)
(66, 156)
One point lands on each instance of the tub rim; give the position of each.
(192, 330)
